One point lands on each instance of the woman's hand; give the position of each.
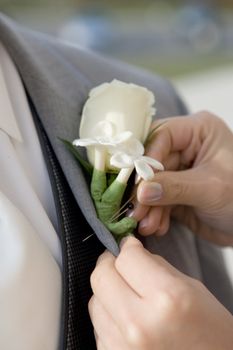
(197, 186)
(141, 302)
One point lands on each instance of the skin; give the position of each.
(140, 301)
(200, 193)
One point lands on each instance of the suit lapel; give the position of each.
(79, 257)
(58, 91)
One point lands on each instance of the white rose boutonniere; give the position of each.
(115, 123)
(122, 107)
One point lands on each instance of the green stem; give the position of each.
(98, 185)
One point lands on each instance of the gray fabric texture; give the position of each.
(58, 78)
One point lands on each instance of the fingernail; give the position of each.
(151, 193)
(143, 224)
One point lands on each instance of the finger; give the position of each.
(165, 222)
(144, 272)
(187, 217)
(187, 187)
(177, 134)
(173, 161)
(139, 211)
(151, 221)
(112, 291)
(99, 344)
(108, 333)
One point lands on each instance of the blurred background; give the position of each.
(189, 42)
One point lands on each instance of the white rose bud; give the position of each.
(116, 107)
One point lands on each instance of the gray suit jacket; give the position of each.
(59, 78)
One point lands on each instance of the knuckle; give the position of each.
(219, 186)
(90, 302)
(127, 250)
(90, 305)
(175, 302)
(198, 284)
(167, 303)
(209, 116)
(137, 336)
(176, 190)
(96, 278)
(160, 259)
(122, 258)
(205, 114)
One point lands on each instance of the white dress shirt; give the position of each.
(30, 252)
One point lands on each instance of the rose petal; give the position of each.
(143, 169)
(105, 128)
(126, 106)
(98, 90)
(121, 160)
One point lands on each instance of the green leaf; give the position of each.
(73, 149)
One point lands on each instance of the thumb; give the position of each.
(187, 187)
